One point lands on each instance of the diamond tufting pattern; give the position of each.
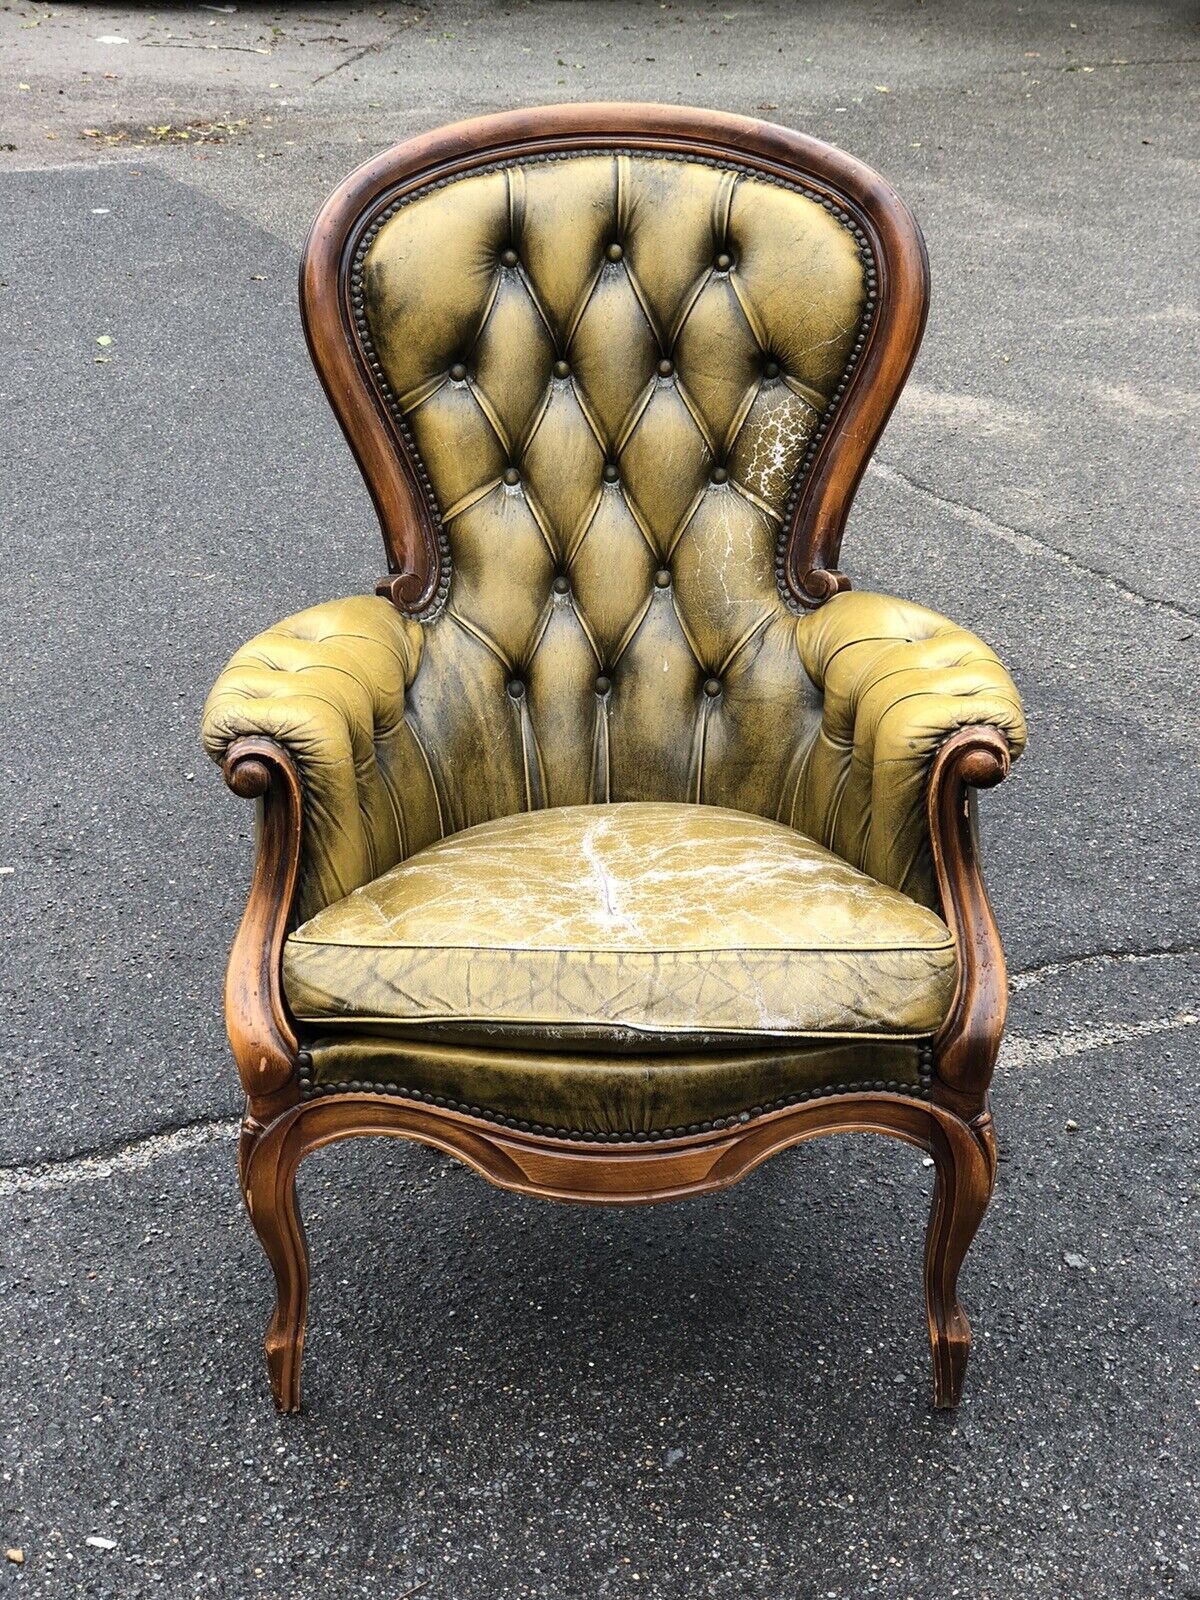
(612, 367)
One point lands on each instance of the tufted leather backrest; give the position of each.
(613, 368)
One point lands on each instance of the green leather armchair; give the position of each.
(615, 843)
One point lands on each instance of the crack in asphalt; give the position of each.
(368, 49)
(1027, 543)
(199, 44)
(1146, 61)
(1096, 66)
(348, 61)
(1097, 958)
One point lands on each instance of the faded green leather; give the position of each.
(611, 367)
(330, 685)
(657, 924)
(594, 1092)
(895, 681)
(876, 684)
(614, 556)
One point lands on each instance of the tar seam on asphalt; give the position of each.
(1027, 543)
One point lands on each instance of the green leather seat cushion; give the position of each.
(640, 926)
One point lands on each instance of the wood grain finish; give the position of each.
(261, 1031)
(614, 1175)
(393, 473)
(968, 1042)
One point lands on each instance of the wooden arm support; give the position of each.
(261, 1031)
(968, 1042)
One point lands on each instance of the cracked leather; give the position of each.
(670, 924)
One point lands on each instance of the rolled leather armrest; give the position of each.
(329, 686)
(897, 680)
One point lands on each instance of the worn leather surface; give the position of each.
(609, 1092)
(875, 684)
(611, 444)
(671, 924)
(611, 367)
(329, 684)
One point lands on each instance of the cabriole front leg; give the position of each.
(270, 1160)
(965, 1165)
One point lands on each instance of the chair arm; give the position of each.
(897, 681)
(968, 1041)
(328, 685)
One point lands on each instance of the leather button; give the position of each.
(614, 252)
(602, 684)
(509, 258)
(562, 585)
(720, 475)
(511, 476)
(611, 472)
(562, 369)
(458, 372)
(724, 262)
(771, 370)
(662, 579)
(665, 368)
(516, 689)
(712, 688)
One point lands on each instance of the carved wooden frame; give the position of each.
(282, 1126)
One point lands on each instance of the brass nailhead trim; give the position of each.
(437, 601)
(918, 1091)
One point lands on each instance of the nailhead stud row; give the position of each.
(918, 1091)
(437, 601)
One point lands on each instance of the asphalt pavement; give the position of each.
(726, 1398)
